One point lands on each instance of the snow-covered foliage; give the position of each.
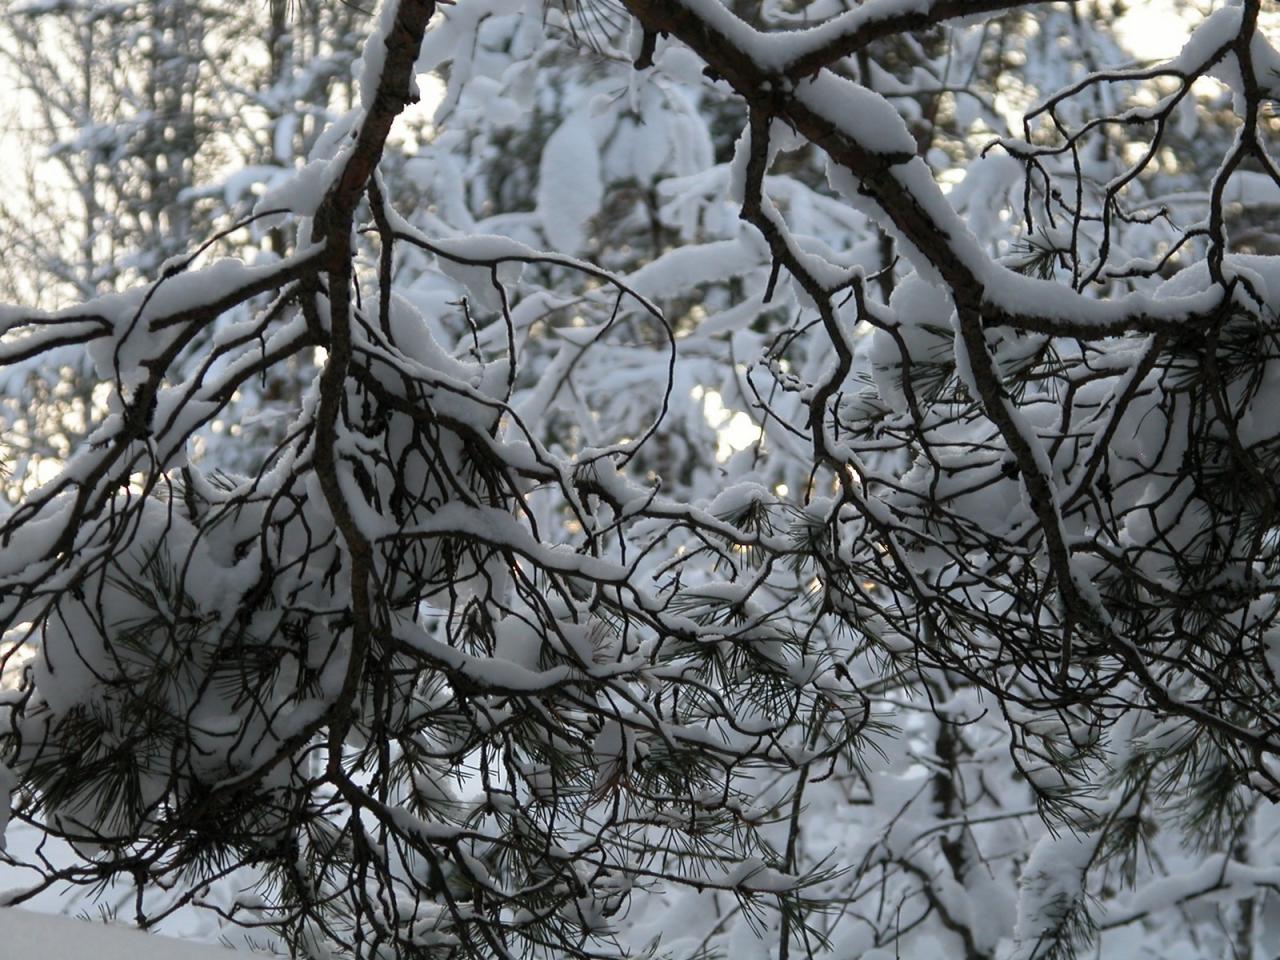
(713, 479)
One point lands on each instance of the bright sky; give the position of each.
(1155, 29)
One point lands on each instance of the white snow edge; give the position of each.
(27, 934)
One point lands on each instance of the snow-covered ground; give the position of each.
(27, 934)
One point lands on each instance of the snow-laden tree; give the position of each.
(136, 127)
(780, 479)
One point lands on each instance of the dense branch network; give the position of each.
(993, 313)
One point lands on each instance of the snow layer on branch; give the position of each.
(1263, 273)
(299, 193)
(678, 271)
(1215, 32)
(922, 331)
(778, 51)
(374, 55)
(1017, 294)
(569, 186)
(861, 114)
(140, 316)
(1052, 887)
(1229, 880)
